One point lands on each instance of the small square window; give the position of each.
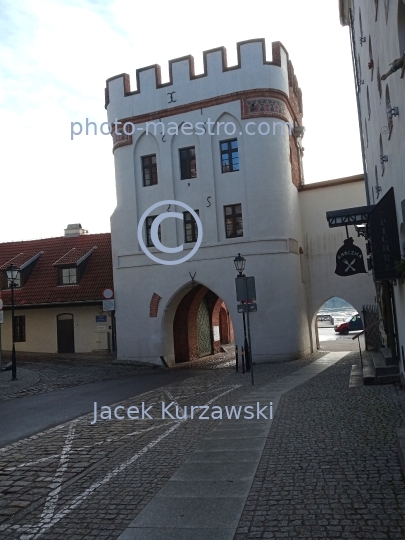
(233, 221)
(149, 170)
(188, 166)
(69, 276)
(190, 227)
(149, 221)
(229, 155)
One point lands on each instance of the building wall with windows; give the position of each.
(58, 294)
(244, 173)
(377, 31)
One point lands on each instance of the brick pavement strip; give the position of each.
(329, 468)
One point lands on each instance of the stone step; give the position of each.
(379, 373)
(401, 447)
(387, 379)
(369, 378)
(387, 355)
(381, 367)
(356, 377)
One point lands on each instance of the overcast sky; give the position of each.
(55, 56)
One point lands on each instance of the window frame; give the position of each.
(194, 227)
(148, 227)
(19, 330)
(234, 216)
(61, 275)
(186, 163)
(229, 151)
(151, 169)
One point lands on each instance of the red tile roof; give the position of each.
(73, 256)
(42, 285)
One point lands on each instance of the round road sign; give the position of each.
(108, 293)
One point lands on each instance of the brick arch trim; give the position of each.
(154, 305)
(185, 325)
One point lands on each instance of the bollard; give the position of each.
(236, 358)
(243, 360)
(247, 357)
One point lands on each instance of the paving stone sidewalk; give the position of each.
(26, 379)
(83, 481)
(43, 373)
(329, 468)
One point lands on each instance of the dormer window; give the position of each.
(25, 263)
(72, 266)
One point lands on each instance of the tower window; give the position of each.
(190, 227)
(229, 155)
(149, 221)
(149, 170)
(188, 166)
(233, 220)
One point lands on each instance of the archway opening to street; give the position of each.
(336, 322)
(202, 325)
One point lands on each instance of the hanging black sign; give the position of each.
(384, 238)
(349, 259)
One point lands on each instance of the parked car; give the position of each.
(351, 324)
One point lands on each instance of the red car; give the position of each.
(352, 323)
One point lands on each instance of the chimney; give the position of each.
(74, 229)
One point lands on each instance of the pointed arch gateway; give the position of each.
(198, 325)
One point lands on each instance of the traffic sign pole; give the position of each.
(1, 326)
(248, 330)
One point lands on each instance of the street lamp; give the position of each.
(239, 263)
(13, 273)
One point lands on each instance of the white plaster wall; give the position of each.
(386, 35)
(321, 243)
(252, 74)
(278, 328)
(264, 188)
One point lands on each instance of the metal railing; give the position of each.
(357, 336)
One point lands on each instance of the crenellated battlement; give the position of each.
(251, 72)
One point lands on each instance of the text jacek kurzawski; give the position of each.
(173, 411)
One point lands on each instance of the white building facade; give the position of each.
(377, 31)
(225, 143)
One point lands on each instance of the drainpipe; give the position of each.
(357, 87)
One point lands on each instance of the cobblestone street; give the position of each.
(329, 468)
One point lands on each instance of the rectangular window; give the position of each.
(233, 220)
(19, 328)
(68, 276)
(149, 221)
(229, 155)
(190, 227)
(149, 170)
(188, 166)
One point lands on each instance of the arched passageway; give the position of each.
(201, 324)
(336, 322)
